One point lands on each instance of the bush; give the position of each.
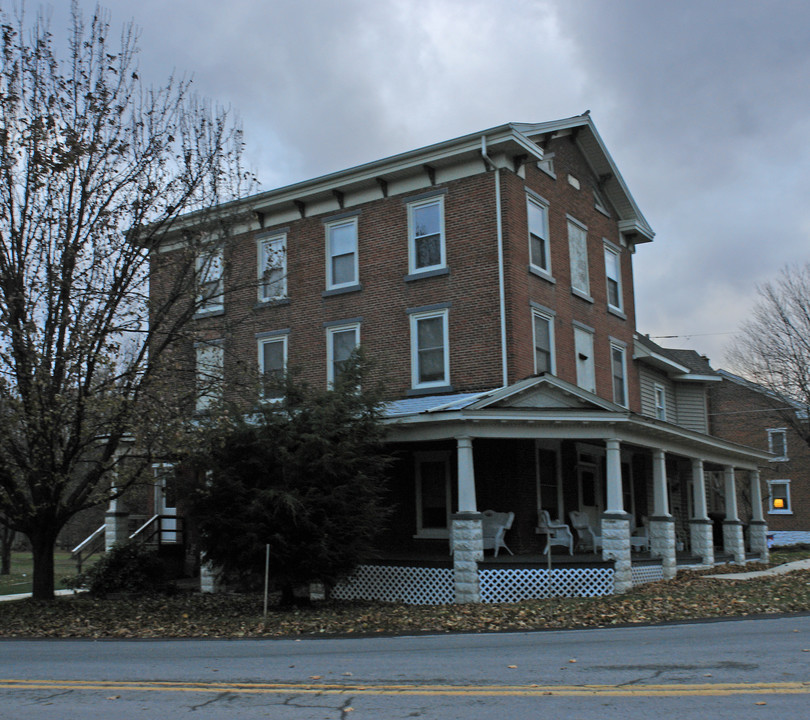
(129, 567)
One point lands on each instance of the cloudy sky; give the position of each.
(705, 106)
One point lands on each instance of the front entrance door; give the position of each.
(165, 501)
(591, 489)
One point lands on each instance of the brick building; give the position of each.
(747, 413)
(491, 278)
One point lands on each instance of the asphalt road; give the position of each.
(737, 669)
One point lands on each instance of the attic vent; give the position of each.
(573, 182)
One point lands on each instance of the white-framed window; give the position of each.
(341, 340)
(578, 251)
(779, 497)
(341, 253)
(618, 369)
(210, 372)
(430, 354)
(660, 402)
(539, 254)
(426, 245)
(272, 364)
(543, 333)
(777, 443)
(432, 476)
(210, 272)
(613, 275)
(272, 267)
(583, 349)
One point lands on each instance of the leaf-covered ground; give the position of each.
(689, 596)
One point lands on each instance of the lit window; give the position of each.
(543, 327)
(538, 235)
(777, 443)
(619, 372)
(432, 494)
(578, 249)
(272, 364)
(210, 281)
(210, 367)
(426, 235)
(340, 343)
(430, 364)
(272, 264)
(779, 502)
(614, 278)
(341, 253)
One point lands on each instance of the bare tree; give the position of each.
(95, 173)
(773, 347)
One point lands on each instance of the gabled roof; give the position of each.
(679, 364)
(801, 410)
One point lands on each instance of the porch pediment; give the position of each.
(544, 392)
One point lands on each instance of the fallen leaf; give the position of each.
(760, 703)
(511, 667)
(572, 660)
(314, 677)
(113, 697)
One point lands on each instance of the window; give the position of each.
(341, 253)
(779, 497)
(340, 343)
(777, 443)
(432, 494)
(426, 235)
(430, 364)
(618, 370)
(583, 348)
(272, 265)
(613, 274)
(209, 374)
(210, 282)
(538, 236)
(578, 249)
(272, 364)
(660, 402)
(543, 328)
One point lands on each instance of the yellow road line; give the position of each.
(702, 689)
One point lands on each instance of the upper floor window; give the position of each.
(272, 364)
(578, 251)
(777, 443)
(779, 497)
(430, 362)
(426, 246)
(583, 349)
(210, 271)
(543, 329)
(210, 366)
(272, 265)
(618, 367)
(341, 253)
(341, 341)
(539, 256)
(660, 402)
(613, 275)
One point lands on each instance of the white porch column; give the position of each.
(733, 542)
(662, 524)
(467, 537)
(730, 493)
(616, 522)
(757, 528)
(116, 522)
(700, 525)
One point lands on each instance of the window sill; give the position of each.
(214, 312)
(420, 274)
(342, 290)
(271, 302)
(615, 311)
(539, 272)
(780, 512)
(582, 295)
(431, 390)
(779, 459)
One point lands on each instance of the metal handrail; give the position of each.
(143, 527)
(88, 539)
(91, 544)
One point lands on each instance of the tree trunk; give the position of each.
(6, 541)
(42, 546)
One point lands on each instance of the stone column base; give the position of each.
(758, 539)
(702, 542)
(733, 542)
(662, 544)
(616, 547)
(116, 529)
(210, 577)
(468, 549)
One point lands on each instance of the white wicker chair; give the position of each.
(556, 532)
(586, 534)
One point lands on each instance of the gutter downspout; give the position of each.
(501, 279)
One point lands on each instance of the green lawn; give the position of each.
(22, 571)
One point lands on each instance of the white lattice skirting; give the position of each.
(500, 585)
(410, 585)
(646, 573)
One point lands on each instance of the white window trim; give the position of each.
(211, 391)
(414, 321)
(261, 243)
(771, 510)
(584, 293)
(662, 408)
(548, 316)
(330, 285)
(539, 202)
(412, 206)
(616, 254)
(282, 338)
(616, 345)
(771, 433)
(330, 347)
(216, 302)
(419, 458)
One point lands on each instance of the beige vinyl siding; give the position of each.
(691, 400)
(649, 379)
